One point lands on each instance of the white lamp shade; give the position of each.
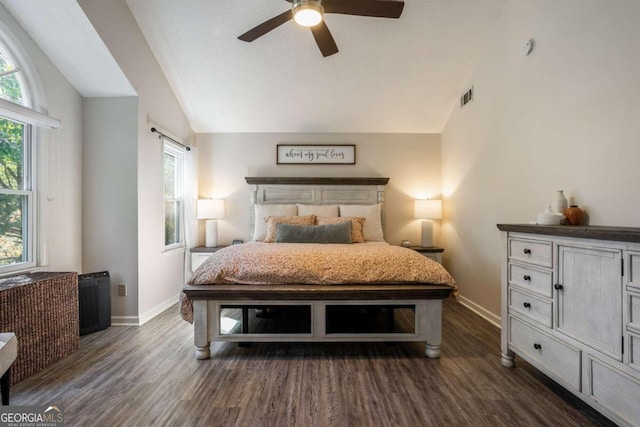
(210, 208)
(428, 209)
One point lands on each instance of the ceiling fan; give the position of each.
(309, 13)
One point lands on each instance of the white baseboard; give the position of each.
(146, 316)
(124, 321)
(150, 314)
(480, 311)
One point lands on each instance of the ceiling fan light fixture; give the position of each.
(307, 13)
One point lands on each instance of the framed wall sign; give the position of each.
(308, 154)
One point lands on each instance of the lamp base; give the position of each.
(211, 233)
(427, 233)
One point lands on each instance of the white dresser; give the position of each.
(571, 308)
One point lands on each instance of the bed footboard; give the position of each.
(424, 301)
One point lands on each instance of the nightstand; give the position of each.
(200, 255)
(433, 252)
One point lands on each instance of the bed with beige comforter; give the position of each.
(258, 263)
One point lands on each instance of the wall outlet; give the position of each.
(122, 290)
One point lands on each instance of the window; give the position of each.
(17, 201)
(173, 169)
(12, 87)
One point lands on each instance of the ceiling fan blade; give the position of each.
(324, 39)
(266, 26)
(376, 8)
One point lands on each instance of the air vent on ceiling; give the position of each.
(466, 97)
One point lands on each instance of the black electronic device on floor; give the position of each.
(94, 301)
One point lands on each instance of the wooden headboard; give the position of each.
(315, 191)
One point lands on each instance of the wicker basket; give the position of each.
(42, 310)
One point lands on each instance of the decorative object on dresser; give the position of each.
(571, 307)
(41, 308)
(559, 203)
(211, 210)
(574, 215)
(427, 210)
(548, 217)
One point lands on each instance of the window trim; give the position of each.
(33, 112)
(30, 184)
(175, 150)
(27, 115)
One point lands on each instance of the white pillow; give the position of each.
(318, 210)
(263, 211)
(373, 219)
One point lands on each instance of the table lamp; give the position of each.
(211, 210)
(428, 210)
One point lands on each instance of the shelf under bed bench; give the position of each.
(317, 301)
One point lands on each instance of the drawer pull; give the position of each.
(537, 346)
(527, 251)
(527, 277)
(527, 305)
(558, 287)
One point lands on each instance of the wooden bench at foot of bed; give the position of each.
(425, 300)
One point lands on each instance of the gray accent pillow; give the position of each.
(329, 233)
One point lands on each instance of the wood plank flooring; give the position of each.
(148, 376)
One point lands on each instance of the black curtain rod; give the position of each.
(186, 147)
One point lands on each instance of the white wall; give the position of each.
(412, 161)
(565, 117)
(60, 156)
(160, 277)
(110, 202)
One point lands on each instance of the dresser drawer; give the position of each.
(545, 352)
(532, 279)
(536, 309)
(614, 389)
(536, 252)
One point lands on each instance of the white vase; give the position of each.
(559, 203)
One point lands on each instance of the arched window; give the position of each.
(12, 86)
(17, 160)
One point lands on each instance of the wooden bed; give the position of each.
(423, 300)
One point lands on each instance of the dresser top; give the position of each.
(16, 280)
(598, 232)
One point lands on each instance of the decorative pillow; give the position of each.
(263, 211)
(318, 210)
(357, 236)
(328, 233)
(373, 219)
(272, 221)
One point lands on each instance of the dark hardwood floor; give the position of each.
(148, 376)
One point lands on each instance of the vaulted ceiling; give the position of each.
(390, 75)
